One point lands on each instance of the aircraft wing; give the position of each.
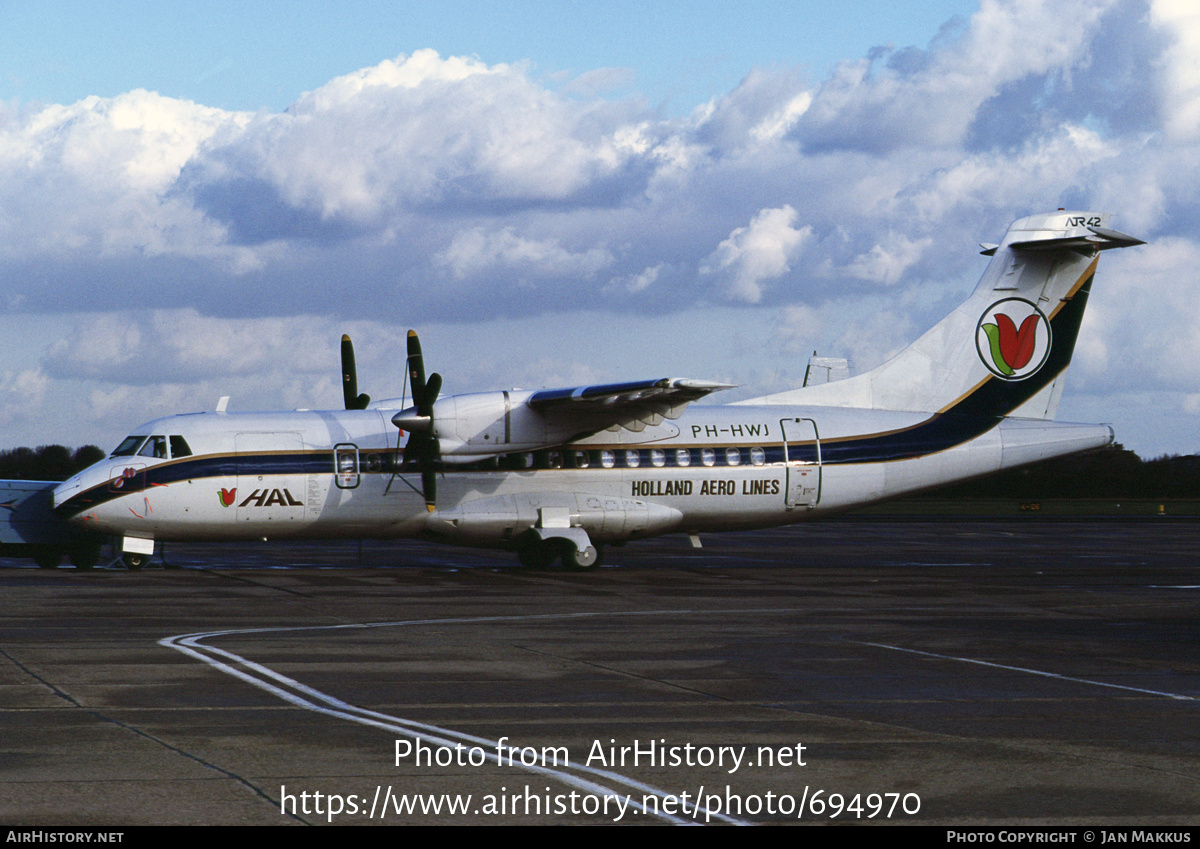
(629, 405)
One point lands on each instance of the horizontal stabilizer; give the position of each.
(1028, 441)
(1101, 239)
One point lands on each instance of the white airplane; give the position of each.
(560, 473)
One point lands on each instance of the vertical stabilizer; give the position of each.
(1005, 348)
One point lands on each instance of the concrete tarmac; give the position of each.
(1019, 672)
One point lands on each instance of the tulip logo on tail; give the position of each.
(1013, 338)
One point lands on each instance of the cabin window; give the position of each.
(580, 459)
(708, 456)
(179, 447)
(607, 459)
(128, 446)
(733, 457)
(156, 447)
(657, 458)
(683, 457)
(757, 456)
(632, 459)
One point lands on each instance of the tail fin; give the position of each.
(1002, 351)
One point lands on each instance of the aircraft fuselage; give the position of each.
(342, 474)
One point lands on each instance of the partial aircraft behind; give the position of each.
(560, 473)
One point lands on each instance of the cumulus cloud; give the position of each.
(887, 261)
(21, 392)
(476, 251)
(763, 250)
(430, 188)
(889, 100)
(177, 346)
(1179, 21)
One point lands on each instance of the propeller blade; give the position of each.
(416, 368)
(432, 388)
(423, 442)
(429, 487)
(353, 400)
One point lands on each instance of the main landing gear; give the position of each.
(83, 555)
(541, 553)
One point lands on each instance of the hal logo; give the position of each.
(267, 498)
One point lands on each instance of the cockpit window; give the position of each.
(129, 446)
(179, 447)
(156, 446)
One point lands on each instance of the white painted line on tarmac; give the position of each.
(1040, 672)
(584, 778)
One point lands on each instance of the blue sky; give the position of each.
(198, 203)
(249, 56)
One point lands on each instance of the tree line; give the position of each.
(1113, 472)
(47, 462)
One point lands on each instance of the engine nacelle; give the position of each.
(483, 424)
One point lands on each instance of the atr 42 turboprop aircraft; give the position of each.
(562, 472)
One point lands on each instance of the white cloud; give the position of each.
(932, 99)
(202, 242)
(763, 250)
(477, 252)
(798, 329)
(21, 393)
(1179, 21)
(887, 261)
(636, 282)
(775, 125)
(1140, 330)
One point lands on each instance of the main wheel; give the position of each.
(133, 561)
(587, 557)
(85, 555)
(47, 558)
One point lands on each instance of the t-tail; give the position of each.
(1003, 351)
